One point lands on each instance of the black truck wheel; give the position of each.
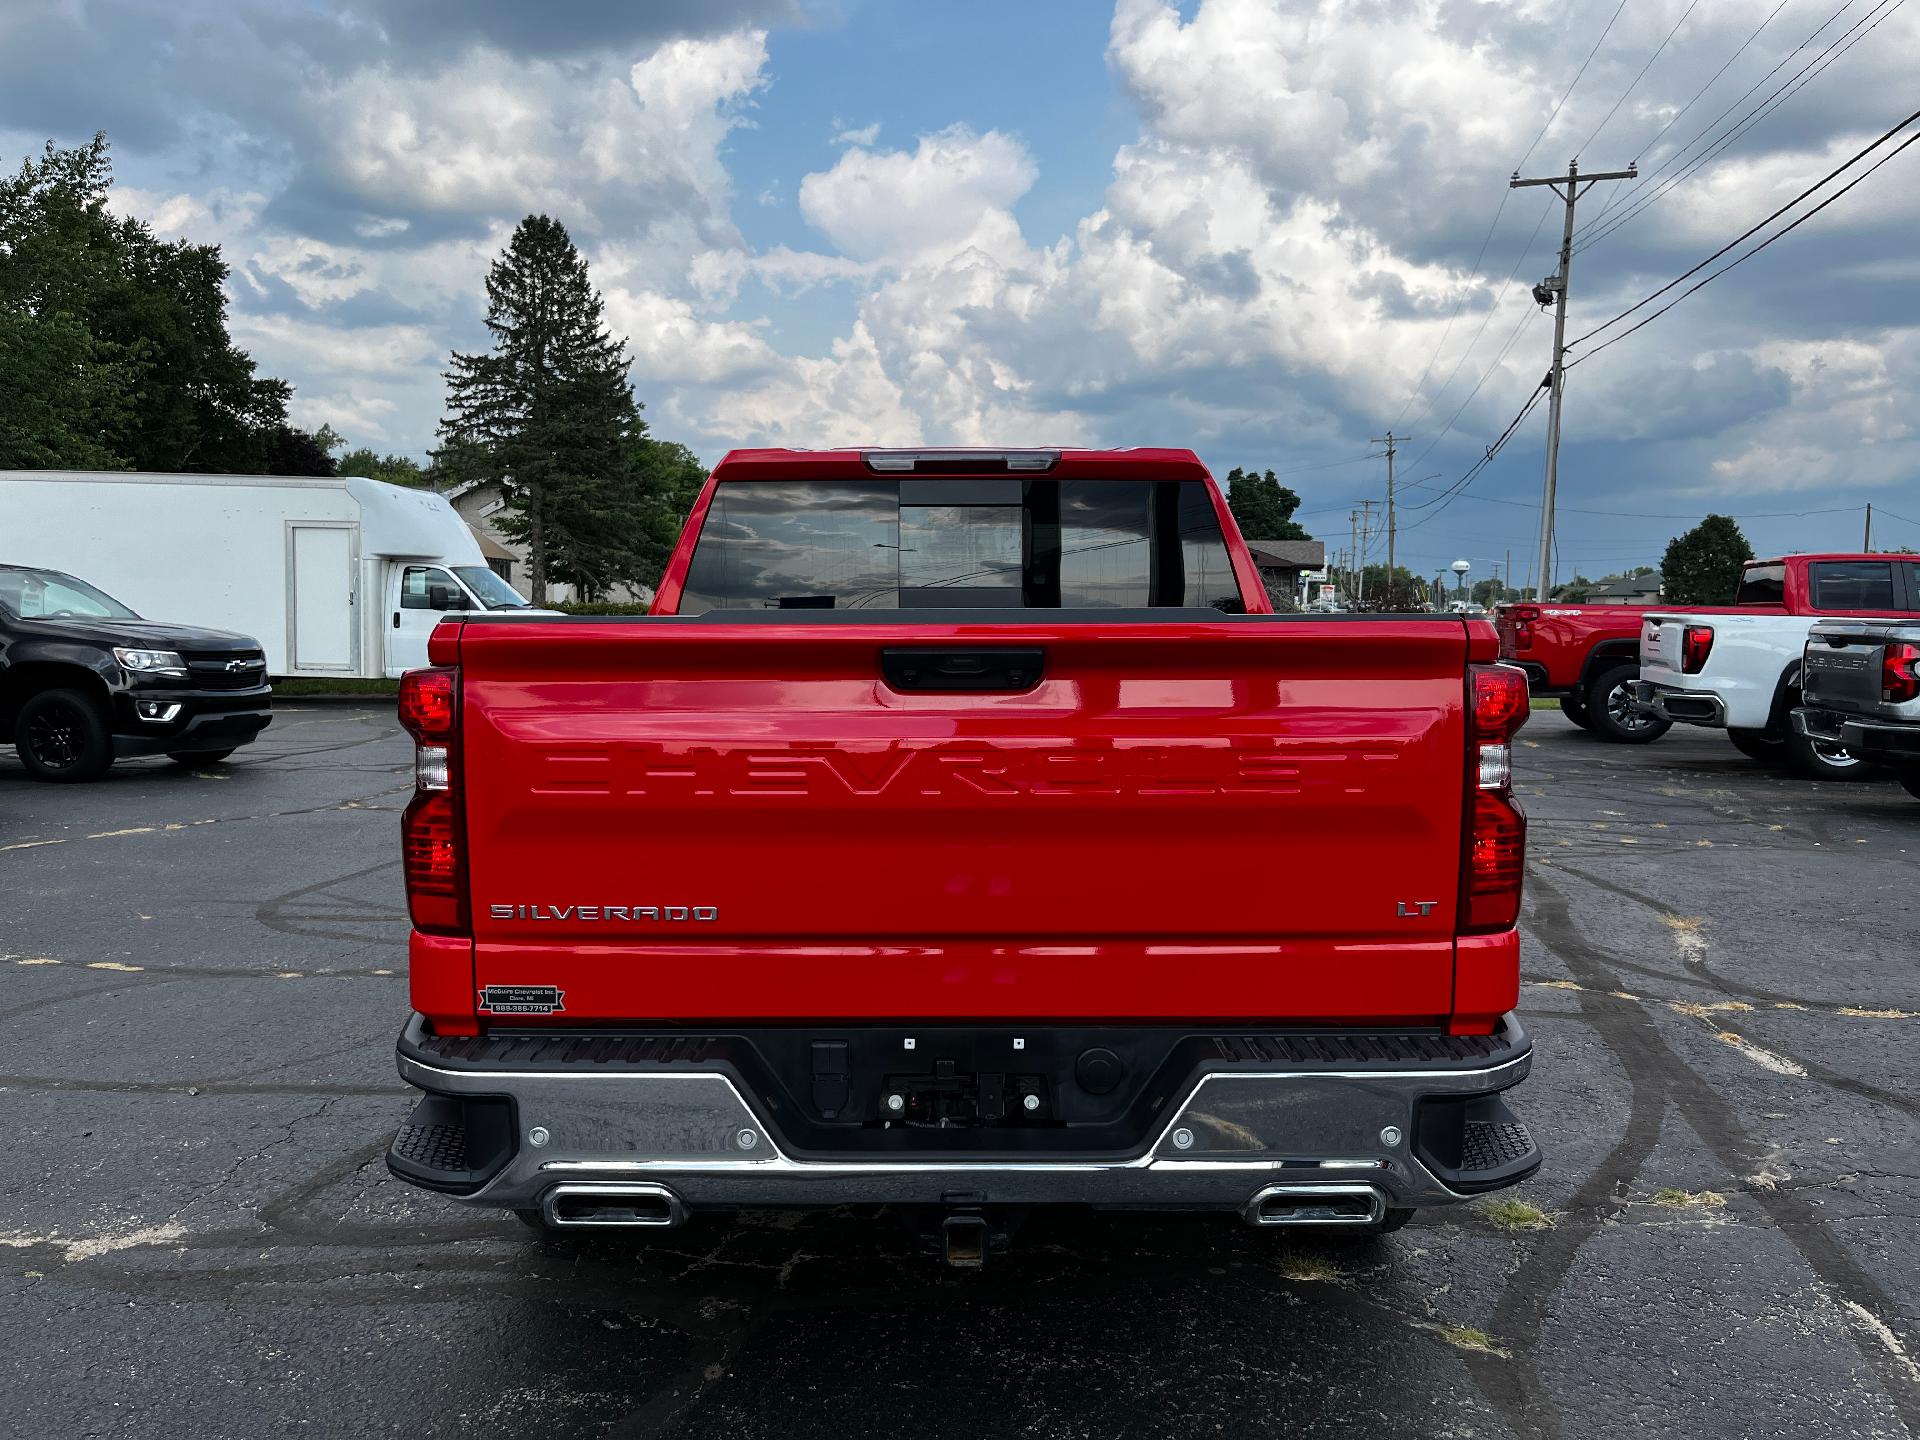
(1573, 705)
(1821, 760)
(62, 737)
(1611, 716)
(1910, 782)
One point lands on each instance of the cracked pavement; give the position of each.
(198, 1235)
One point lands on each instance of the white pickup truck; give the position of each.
(1861, 683)
(1739, 669)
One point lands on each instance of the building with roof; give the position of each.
(1282, 563)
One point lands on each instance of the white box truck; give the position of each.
(334, 576)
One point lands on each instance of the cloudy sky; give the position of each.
(1262, 228)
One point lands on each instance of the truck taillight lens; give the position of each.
(1696, 644)
(426, 704)
(1500, 702)
(1493, 850)
(1900, 673)
(430, 829)
(1496, 858)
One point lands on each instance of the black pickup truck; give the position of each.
(85, 681)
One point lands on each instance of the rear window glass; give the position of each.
(1762, 585)
(910, 543)
(1853, 585)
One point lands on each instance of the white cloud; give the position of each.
(865, 135)
(951, 192)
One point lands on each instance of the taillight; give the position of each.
(430, 829)
(1520, 630)
(1493, 851)
(426, 704)
(1900, 673)
(1696, 644)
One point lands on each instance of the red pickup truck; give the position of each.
(962, 833)
(1589, 655)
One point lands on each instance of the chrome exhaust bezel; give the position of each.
(1375, 1197)
(611, 1191)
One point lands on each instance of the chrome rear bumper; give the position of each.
(689, 1133)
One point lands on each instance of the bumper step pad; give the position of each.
(436, 1147)
(1476, 1145)
(1493, 1145)
(453, 1143)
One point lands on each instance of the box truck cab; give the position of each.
(337, 576)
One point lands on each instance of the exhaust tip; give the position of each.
(1317, 1205)
(581, 1205)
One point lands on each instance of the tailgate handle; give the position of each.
(995, 668)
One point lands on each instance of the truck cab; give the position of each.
(418, 594)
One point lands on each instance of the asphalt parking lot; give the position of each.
(204, 975)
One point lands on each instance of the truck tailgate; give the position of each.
(693, 820)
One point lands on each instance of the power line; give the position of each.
(1635, 201)
(1441, 343)
(1447, 497)
(1500, 210)
(1799, 81)
(1487, 319)
(1635, 82)
(1605, 31)
(1617, 196)
(1740, 50)
(1742, 259)
(1848, 164)
(1486, 375)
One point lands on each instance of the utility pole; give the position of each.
(1366, 542)
(1553, 290)
(1390, 441)
(1506, 576)
(1353, 549)
(1867, 542)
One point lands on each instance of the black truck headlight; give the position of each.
(150, 662)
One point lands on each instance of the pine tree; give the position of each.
(549, 413)
(1702, 567)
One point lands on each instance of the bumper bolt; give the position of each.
(896, 1103)
(747, 1139)
(1183, 1139)
(1391, 1136)
(1032, 1102)
(538, 1135)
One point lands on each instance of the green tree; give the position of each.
(670, 476)
(1263, 507)
(1702, 567)
(393, 469)
(114, 349)
(553, 417)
